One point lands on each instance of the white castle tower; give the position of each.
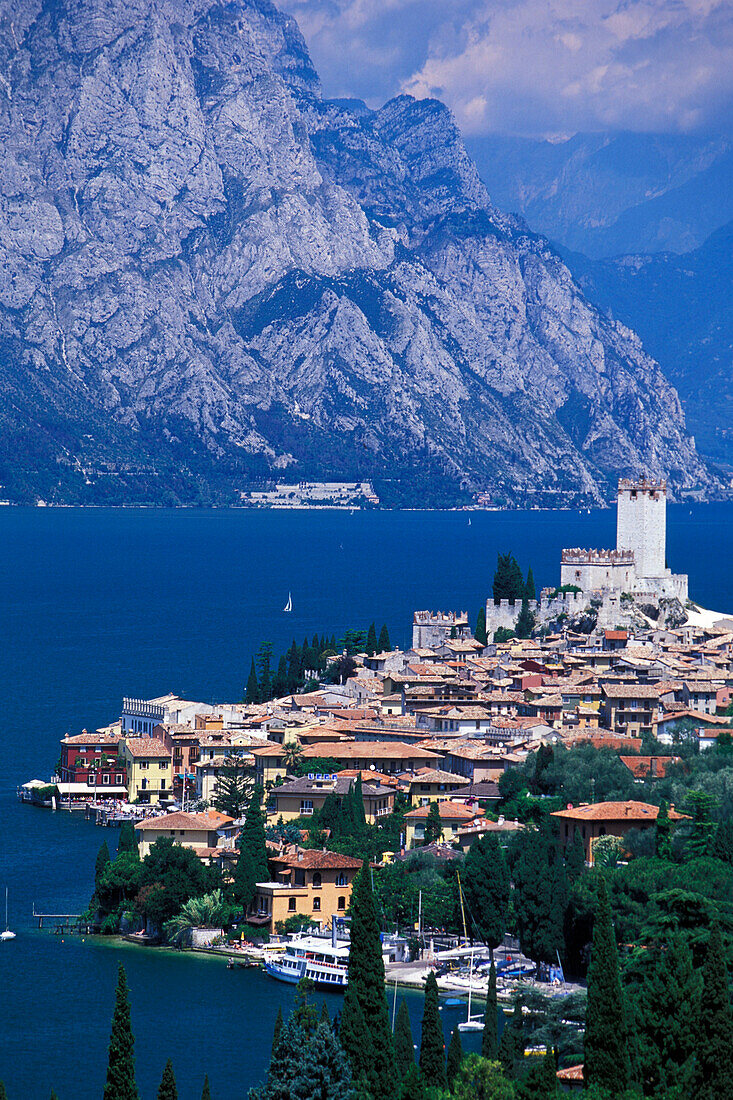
(641, 525)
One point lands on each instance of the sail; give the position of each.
(289, 604)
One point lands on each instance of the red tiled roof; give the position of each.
(643, 767)
(146, 746)
(212, 819)
(615, 811)
(450, 811)
(111, 739)
(571, 1073)
(316, 859)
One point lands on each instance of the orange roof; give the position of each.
(212, 819)
(451, 811)
(615, 811)
(609, 741)
(571, 1073)
(146, 746)
(643, 767)
(314, 858)
(111, 739)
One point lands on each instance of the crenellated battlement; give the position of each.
(578, 556)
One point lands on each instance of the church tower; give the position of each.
(641, 524)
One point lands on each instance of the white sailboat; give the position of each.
(477, 1022)
(289, 604)
(7, 934)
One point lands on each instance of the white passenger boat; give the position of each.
(313, 957)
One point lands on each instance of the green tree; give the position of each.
(433, 824)
(233, 787)
(167, 1089)
(208, 911)
(252, 836)
(487, 889)
(511, 1046)
(480, 1079)
(454, 1056)
(120, 1083)
(356, 1039)
(508, 579)
(366, 979)
(606, 1034)
(715, 1026)
(384, 645)
(101, 861)
(3, 1093)
(264, 670)
(490, 1034)
(540, 896)
(575, 858)
(403, 1044)
(371, 640)
(127, 841)
(667, 1011)
(525, 621)
(324, 1071)
(723, 842)
(277, 1029)
(480, 631)
(170, 875)
(700, 805)
(252, 691)
(529, 587)
(432, 1045)
(206, 1094)
(663, 840)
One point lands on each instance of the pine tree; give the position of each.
(723, 842)
(490, 1034)
(167, 1089)
(120, 1084)
(323, 1070)
(715, 1026)
(366, 980)
(480, 631)
(325, 1018)
(252, 836)
(277, 1029)
(667, 1013)
(487, 889)
(606, 1034)
(525, 621)
(232, 787)
(206, 1094)
(413, 1086)
(662, 841)
(252, 691)
(403, 1045)
(371, 640)
(529, 587)
(508, 579)
(384, 645)
(540, 896)
(101, 861)
(432, 1045)
(454, 1056)
(433, 824)
(127, 840)
(511, 1047)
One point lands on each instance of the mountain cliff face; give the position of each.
(209, 275)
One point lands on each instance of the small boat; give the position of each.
(289, 604)
(311, 957)
(7, 934)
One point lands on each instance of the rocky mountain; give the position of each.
(209, 276)
(608, 194)
(682, 308)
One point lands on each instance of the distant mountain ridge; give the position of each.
(210, 276)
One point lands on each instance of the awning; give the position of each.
(101, 790)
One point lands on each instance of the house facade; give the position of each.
(148, 765)
(311, 884)
(607, 819)
(202, 832)
(92, 766)
(301, 797)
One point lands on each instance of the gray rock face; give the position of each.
(209, 273)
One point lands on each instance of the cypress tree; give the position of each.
(357, 792)
(606, 1036)
(403, 1045)
(127, 840)
(662, 840)
(371, 641)
(454, 1056)
(529, 587)
(480, 631)
(723, 842)
(206, 1094)
(540, 896)
(101, 861)
(325, 1018)
(366, 979)
(511, 1047)
(355, 1037)
(432, 1045)
(384, 645)
(252, 836)
(167, 1089)
(667, 1014)
(120, 1084)
(53, 1095)
(575, 858)
(252, 691)
(245, 879)
(322, 1070)
(525, 621)
(413, 1086)
(277, 1029)
(715, 1026)
(490, 1034)
(433, 824)
(487, 889)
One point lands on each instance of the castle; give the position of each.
(638, 564)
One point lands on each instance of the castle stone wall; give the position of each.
(641, 525)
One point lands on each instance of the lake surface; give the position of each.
(97, 604)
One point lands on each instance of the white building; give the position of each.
(638, 564)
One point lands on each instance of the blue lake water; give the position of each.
(96, 604)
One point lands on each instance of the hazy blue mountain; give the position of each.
(682, 307)
(608, 194)
(210, 275)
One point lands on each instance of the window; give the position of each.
(306, 806)
(341, 903)
(163, 764)
(143, 764)
(317, 879)
(291, 905)
(118, 780)
(316, 905)
(105, 779)
(341, 879)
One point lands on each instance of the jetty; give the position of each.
(64, 922)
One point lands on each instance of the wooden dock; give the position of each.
(63, 922)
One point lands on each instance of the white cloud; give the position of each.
(533, 66)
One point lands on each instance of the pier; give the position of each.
(64, 922)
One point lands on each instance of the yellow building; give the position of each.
(453, 816)
(310, 884)
(431, 785)
(149, 770)
(202, 832)
(269, 763)
(301, 797)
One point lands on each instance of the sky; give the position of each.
(533, 67)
